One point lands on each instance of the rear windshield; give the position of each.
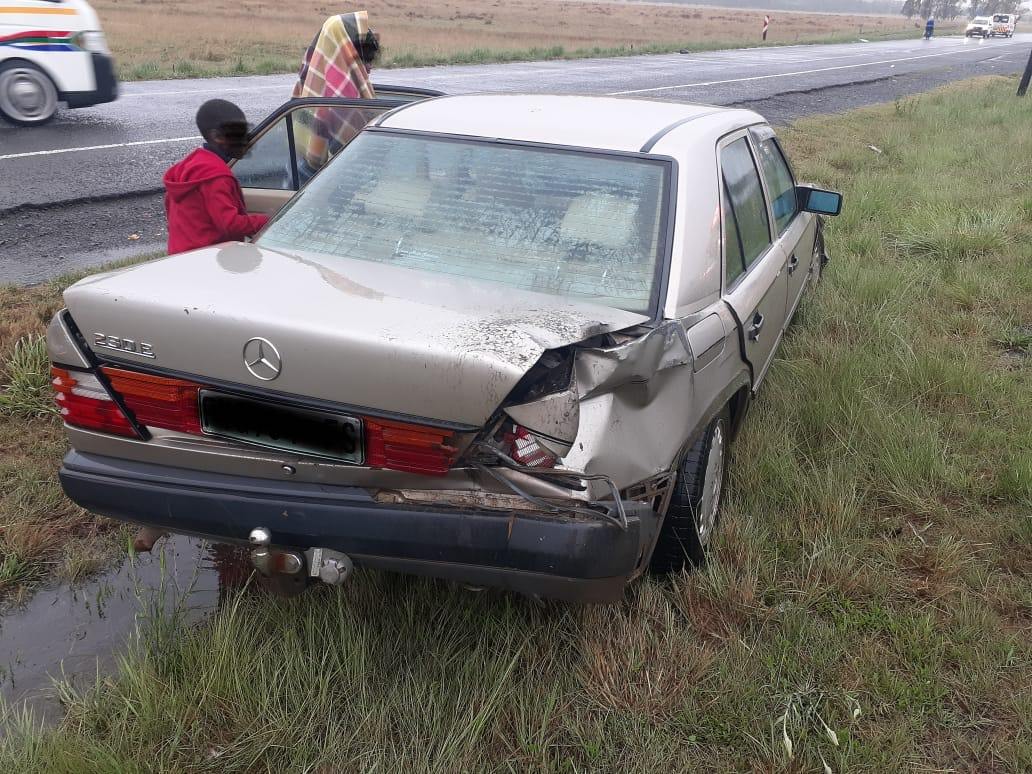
(1001, 17)
(563, 222)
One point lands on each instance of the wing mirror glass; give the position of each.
(818, 200)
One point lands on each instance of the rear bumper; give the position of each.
(106, 89)
(554, 556)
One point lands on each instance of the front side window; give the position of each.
(561, 222)
(745, 195)
(780, 183)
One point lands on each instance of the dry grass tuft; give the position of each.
(636, 659)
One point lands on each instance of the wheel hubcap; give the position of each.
(25, 95)
(706, 519)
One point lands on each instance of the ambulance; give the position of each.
(1004, 25)
(51, 52)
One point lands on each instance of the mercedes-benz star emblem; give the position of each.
(262, 359)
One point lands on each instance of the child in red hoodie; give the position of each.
(203, 200)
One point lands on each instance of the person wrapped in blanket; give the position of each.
(337, 64)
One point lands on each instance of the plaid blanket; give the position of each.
(332, 68)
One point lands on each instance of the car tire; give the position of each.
(28, 96)
(820, 255)
(694, 511)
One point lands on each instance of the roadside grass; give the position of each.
(188, 39)
(868, 604)
(43, 536)
(260, 61)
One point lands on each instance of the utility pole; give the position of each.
(1026, 78)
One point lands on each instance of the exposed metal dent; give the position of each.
(612, 510)
(637, 361)
(462, 498)
(553, 419)
(632, 417)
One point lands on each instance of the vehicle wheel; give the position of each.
(820, 255)
(27, 95)
(694, 512)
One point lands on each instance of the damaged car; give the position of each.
(504, 340)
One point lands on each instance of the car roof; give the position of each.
(605, 123)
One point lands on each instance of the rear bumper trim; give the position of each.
(555, 556)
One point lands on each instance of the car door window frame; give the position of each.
(285, 112)
(772, 236)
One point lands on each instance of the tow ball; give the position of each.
(327, 565)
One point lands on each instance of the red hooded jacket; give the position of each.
(204, 204)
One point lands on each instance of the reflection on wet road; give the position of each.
(75, 632)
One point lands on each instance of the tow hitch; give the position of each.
(329, 566)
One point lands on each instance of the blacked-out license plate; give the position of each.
(300, 430)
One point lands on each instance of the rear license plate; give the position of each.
(288, 428)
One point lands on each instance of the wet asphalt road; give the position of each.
(80, 191)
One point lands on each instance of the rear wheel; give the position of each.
(27, 95)
(694, 512)
(820, 255)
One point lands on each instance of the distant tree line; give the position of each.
(951, 9)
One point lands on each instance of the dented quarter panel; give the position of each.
(644, 400)
(554, 418)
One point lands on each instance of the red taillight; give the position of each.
(410, 448)
(84, 402)
(158, 401)
(174, 404)
(525, 449)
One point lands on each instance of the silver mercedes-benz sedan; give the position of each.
(504, 340)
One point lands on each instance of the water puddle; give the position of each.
(71, 633)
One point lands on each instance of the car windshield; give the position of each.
(558, 221)
(1001, 18)
(980, 20)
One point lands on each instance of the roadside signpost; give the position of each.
(766, 25)
(1023, 86)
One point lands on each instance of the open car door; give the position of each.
(301, 136)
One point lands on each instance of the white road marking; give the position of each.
(194, 138)
(787, 75)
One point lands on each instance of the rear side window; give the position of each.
(734, 265)
(780, 183)
(745, 198)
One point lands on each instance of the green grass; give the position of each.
(259, 63)
(43, 536)
(27, 391)
(868, 602)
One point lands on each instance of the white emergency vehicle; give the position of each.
(51, 52)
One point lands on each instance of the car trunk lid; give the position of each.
(388, 340)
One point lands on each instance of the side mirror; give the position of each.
(818, 200)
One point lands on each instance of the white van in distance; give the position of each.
(51, 51)
(1004, 24)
